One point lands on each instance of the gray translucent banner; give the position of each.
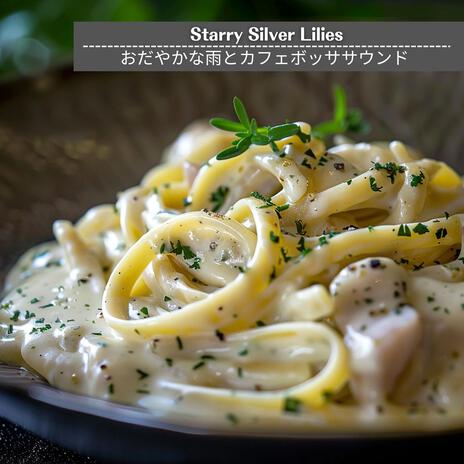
(272, 46)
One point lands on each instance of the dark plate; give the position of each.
(59, 134)
(123, 434)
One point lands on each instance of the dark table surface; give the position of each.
(17, 446)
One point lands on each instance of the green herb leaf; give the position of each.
(142, 374)
(343, 119)
(355, 122)
(300, 227)
(274, 238)
(340, 109)
(218, 197)
(392, 169)
(404, 231)
(292, 405)
(417, 179)
(259, 196)
(373, 184)
(232, 418)
(227, 125)
(420, 229)
(259, 139)
(283, 131)
(228, 153)
(441, 233)
(241, 113)
(144, 311)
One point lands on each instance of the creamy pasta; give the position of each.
(289, 286)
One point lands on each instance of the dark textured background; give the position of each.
(70, 141)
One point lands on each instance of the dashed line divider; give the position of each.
(266, 46)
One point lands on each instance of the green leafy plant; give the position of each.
(344, 119)
(249, 133)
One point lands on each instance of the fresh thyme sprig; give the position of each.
(343, 120)
(248, 132)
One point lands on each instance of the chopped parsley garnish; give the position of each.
(441, 233)
(292, 405)
(34, 300)
(322, 161)
(306, 164)
(404, 231)
(327, 395)
(196, 263)
(392, 169)
(302, 248)
(310, 153)
(421, 229)
(274, 238)
(15, 316)
(243, 352)
(180, 345)
(142, 374)
(219, 335)
(268, 203)
(286, 258)
(110, 388)
(373, 184)
(273, 274)
(41, 329)
(248, 132)
(417, 179)
(219, 197)
(166, 298)
(232, 418)
(267, 200)
(300, 227)
(282, 208)
(144, 311)
(198, 365)
(49, 305)
(187, 253)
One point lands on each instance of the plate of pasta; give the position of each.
(261, 281)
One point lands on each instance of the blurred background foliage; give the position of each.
(36, 34)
